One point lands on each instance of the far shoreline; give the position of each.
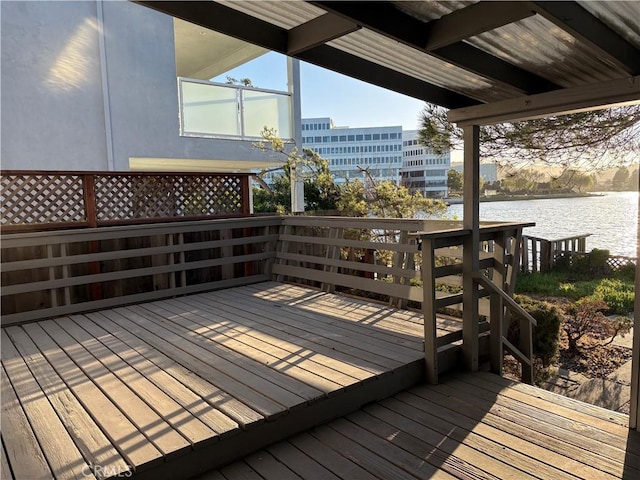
(510, 198)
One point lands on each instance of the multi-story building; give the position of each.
(488, 171)
(423, 170)
(93, 85)
(350, 150)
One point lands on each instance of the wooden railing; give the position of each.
(34, 201)
(442, 258)
(50, 274)
(540, 254)
(46, 274)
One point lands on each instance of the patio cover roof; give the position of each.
(456, 54)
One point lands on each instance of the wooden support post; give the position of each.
(65, 274)
(496, 309)
(171, 261)
(399, 260)
(471, 255)
(282, 247)
(534, 255)
(429, 311)
(525, 254)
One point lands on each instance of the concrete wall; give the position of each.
(73, 100)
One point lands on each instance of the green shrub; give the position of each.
(593, 264)
(546, 335)
(618, 295)
(626, 272)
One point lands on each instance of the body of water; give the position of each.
(611, 218)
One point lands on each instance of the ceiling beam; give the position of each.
(473, 20)
(579, 23)
(318, 31)
(385, 19)
(612, 93)
(226, 20)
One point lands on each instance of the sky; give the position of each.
(324, 93)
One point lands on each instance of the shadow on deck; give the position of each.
(176, 387)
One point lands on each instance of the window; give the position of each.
(317, 139)
(334, 138)
(367, 137)
(376, 136)
(384, 136)
(359, 138)
(393, 136)
(343, 138)
(350, 138)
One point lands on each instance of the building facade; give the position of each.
(93, 85)
(423, 170)
(351, 150)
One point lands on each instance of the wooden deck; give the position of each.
(472, 426)
(172, 388)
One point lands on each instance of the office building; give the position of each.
(423, 170)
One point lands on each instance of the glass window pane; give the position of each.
(266, 109)
(209, 109)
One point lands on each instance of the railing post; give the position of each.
(89, 184)
(429, 310)
(245, 194)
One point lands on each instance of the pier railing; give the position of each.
(542, 255)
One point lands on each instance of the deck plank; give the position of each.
(23, 450)
(194, 379)
(492, 428)
(64, 458)
(215, 357)
(303, 465)
(295, 366)
(288, 331)
(389, 352)
(5, 470)
(156, 429)
(292, 391)
(584, 436)
(278, 343)
(352, 325)
(133, 445)
(197, 406)
(587, 452)
(94, 445)
(269, 468)
(181, 420)
(393, 320)
(134, 323)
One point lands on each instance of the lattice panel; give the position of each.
(127, 197)
(29, 199)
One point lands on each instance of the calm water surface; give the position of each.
(611, 219)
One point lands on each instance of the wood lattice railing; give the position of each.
(32, 200)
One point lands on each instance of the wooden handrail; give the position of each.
(487, 284)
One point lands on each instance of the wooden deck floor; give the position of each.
(472, 426)
(170, 388)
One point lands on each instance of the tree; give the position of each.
(454, 180)
(355, 198)
(384, 199)
(621, 179)
(320, 190)
(522, 181)
(594, 140)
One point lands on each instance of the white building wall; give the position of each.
(81, 94)
(423, 170)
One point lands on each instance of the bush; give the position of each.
(586, 326)
(546, 335)
(618, 295)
